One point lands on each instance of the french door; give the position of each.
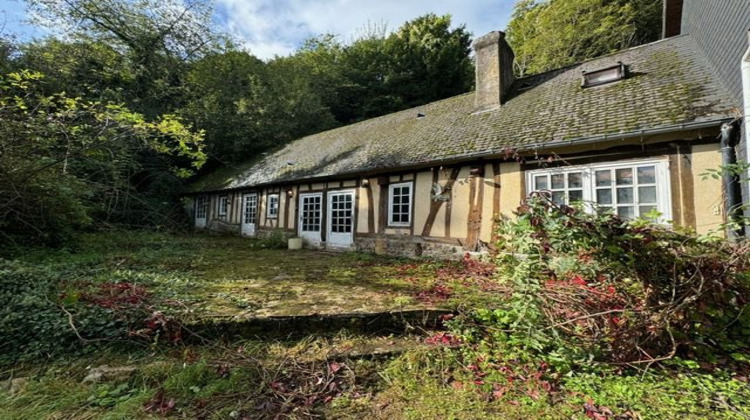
(249, 213)
(201, 211)
(310, 217)
(340, 219)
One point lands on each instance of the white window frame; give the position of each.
(410, 203)
(223, 205)
(272, 209)
(589, 188)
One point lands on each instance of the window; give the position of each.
(223, 205)
(604, 76)
(272, 212)
(629, 189)
(201, 205)
(399, 204)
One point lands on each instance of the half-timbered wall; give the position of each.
(472, 197)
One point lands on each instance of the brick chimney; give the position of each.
(671, 18)
(494, 70)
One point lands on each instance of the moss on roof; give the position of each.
(669, 83)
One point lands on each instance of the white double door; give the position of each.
(249, 213)
(339, 217)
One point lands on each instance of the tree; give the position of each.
(378, 73)
(247, 107)
(431, 61)
(158, 37)
(549, 34)
(84, 68)
(66, 162)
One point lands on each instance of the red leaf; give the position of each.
(499, 392)
(334, 367)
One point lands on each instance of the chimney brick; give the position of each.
(494, 70)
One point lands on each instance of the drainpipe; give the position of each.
(746, 102)
(731, 181)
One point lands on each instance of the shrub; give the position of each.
(48, 310)
(593, 287)
(275, 240)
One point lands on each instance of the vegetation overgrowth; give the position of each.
(575, 315)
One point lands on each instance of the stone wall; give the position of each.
(409, 247)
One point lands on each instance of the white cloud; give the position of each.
(278, 27)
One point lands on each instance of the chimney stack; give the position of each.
(494, 70)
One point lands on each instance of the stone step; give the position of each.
(290, 327)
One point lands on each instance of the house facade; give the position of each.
(632, 132)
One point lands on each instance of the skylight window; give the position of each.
(603, 76)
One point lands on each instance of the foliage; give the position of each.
(549, 34)
(247, 107)
(595, 288)
(423, 61)
(67, 161)
(156, 37)
(42, 314)
(275, 240)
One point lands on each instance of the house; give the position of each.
(632, 132)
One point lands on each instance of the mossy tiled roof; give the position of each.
(669, 84)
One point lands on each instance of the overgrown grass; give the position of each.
(474, 370)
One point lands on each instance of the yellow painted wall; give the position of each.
(422, 200)
(511, 188)
(708, 193)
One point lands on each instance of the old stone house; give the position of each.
(631, 132)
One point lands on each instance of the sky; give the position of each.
(278, 27)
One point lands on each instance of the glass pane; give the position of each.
(624, 196)
(540, 182)
(404, 208)
(558, 181)
(647, 175)
(643, 210)
(647, 194)
(603, 178)
(626, 212)
(624, 176)
(575, 195)
(558, 197)
(575, 180)
(604, 196)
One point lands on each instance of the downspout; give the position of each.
(731, 181)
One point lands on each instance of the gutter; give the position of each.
(488, 154)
